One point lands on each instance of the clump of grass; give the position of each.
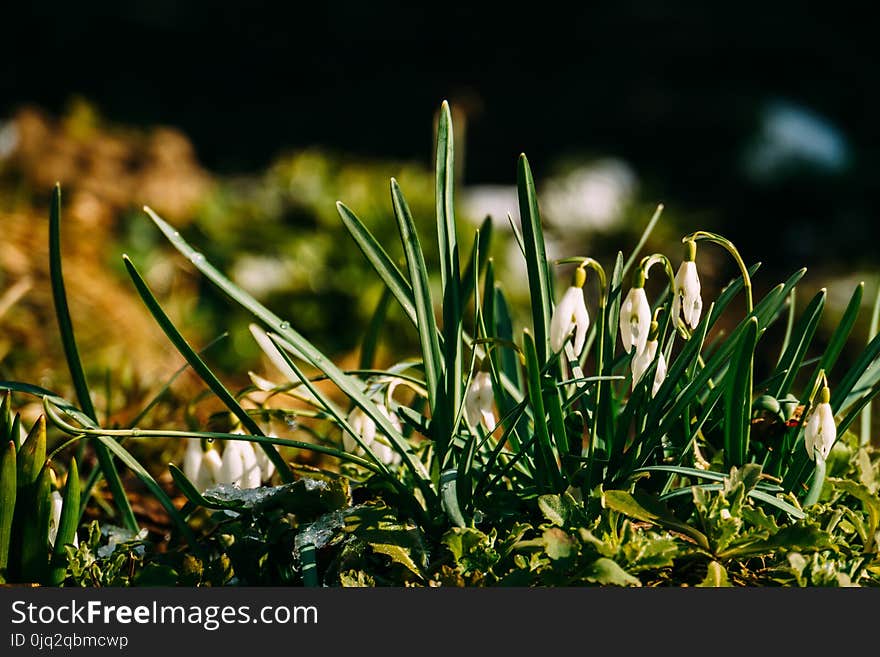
(526, 454)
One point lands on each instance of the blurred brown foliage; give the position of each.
(106, 173)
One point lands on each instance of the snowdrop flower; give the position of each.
(480, 399)
(239, 465)
(267, 468)
(201, 467)
(365, 427)
(55, 519)
(635, 319)
(642, 362)
(821, 431)
(687, 300)
(570, 313)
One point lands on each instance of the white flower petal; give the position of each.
(209, 470)
(820, 431)
(232, 465)
(267, 468)
(687, 299)
(192, 459)
(582, 323)
(641, 362)
(250, 466)
(562, 321)
(55, 518)
(659, 374)
(635, 320)
(480, 401)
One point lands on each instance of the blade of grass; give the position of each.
(803, 333)
(450, 271)
(865, 423)
(67, 524)
(345, 383)
(738, 398)
(536, 259)
(8, 490)
(789, 325)
(74, 364)
(382, 263)
(548, 466)
(643, 239)
(427, 325)
(374, 328)
(200, 368)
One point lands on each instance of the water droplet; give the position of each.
(176, 234)
(284, 326)
(196, 257)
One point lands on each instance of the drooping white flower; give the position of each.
(239, 465)
(201, 467)
(570, 313)
(55, 519)
(267, 468)
(366, 429)
(821, 430)
(192, 459)
(635, 320)
(642, 362)
(687, 299)
(479, 403)
(209, 470)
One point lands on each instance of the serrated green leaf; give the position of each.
(398, 554)
(607, 572)
(647, 509)
(558, 544)
(716, 576)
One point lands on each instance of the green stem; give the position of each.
(649, 261)
(731, 249)
(818, 481)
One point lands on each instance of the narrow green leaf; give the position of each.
(817, 483)
(658, 212)
(35, 530)
(6, 419)
(548, 467)
(479, 250)
(67, 525)
(200, 368)
(738, 398)
(192, 493)
(803, 333)
(382, 263)
(371, 337)
(62, 312)
(8, 489)
(346, 384)
(336, 413)
(865, 424)
(449, 494)
(74, 364)
(32, 455)
(536, 258)
(147, 479)
(789, 325)
(427, 324)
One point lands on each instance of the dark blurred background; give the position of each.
(757, 120)
(682, 91)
